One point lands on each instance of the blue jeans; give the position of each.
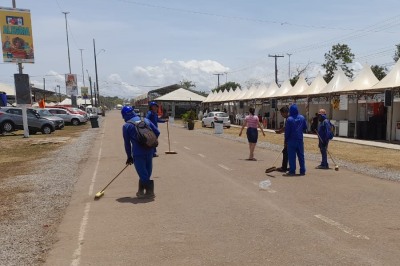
(144, 166)
(296, 147)
(324, 153)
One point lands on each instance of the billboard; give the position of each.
(16, 35)
(84, 92)
(71, 84)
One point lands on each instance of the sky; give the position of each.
(147, 44)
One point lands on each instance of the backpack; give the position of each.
(145, 136)
(331, 132)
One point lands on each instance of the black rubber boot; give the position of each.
(150, 189)
(140, 193)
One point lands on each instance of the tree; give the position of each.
(380, 72)
(227, 86)
(299, 71)
(187, 84)
(397, 53)
(340, 55)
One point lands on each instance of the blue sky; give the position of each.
(157, 43)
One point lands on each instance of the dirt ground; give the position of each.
(18, 154)
(354, 153)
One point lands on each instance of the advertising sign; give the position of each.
(22, 89)
(344, 102)
(71, 84)
(16, 35)
(84, 92)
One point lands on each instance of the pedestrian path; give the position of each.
(377, 144)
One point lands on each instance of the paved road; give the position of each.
(209, 210)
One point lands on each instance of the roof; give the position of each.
(391, 80)
(285, 88)
(181, 95)
(338, 82)
(8, 89)
(316, 86)
(364, 80)
(300, 86)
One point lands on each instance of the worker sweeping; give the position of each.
(140, 140)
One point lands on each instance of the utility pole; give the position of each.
(289, 66)
(59, 92)
(66, 30)
(276, 66)
(218, 74)
(95, 68)
(83, 73)
(91, 92)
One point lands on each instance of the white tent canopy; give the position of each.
(241, 95)
(364, 80)
(300, 86)
(79, 101)
(8, 89)
(181, 95)
(316, 86)
(250, 93)
(392, 79)
(286, 86)
(338, 82)
(272, 88)
(261, 90)
(233, 94)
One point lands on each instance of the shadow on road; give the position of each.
(133, 200)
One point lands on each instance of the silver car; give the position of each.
(11, 119)
(58, 121)
(216, 117)
(74, 119)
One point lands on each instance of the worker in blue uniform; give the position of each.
(137, 154)
(152, 115)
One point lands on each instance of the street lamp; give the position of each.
(95, 67)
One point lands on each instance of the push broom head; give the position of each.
(99, 195)
(171, 152)
(336, 167)
(271, 169)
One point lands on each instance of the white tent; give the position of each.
(364, 80)
(233, 94)
(338, 82)
(316, 86)
(79, 101)
(261, 90)
(8, 89)
(300, 86)
(250, 92)
(272, 88)
(285, 87)
(224, 96)
(392, 79)
(209, 97)
(181, 95)
(241, 95)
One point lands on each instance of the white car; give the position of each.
(216, 117)
(74, 119)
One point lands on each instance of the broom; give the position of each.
(169, 145)
(273, 168)
(101, 192)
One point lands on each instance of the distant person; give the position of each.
(314, 123)
(294, 128)
(152, 115)
(252, 123)
(285, 114)
(324, 129)
(138, 155)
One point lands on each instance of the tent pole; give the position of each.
(391, 115)
(356, 120)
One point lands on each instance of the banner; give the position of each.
(71, 84)
(344, 102)
(16, 35)
(23, 93)
(84, 92)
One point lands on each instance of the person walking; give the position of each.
(252, 123)
(314, 123)
(137, 154)
(294, 128)
(323, 137)
(285, 114)
(152, 115)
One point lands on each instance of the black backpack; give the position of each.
(145, 136)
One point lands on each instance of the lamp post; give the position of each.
(73, 97)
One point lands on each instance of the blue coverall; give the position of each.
(295, 126)
(142, 156)
(323, 132)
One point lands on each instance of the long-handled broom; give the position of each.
(169, 144)
(273, 168)
(101, 192)
(336, 166)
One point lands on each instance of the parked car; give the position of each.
(72, 110)
(216, 117)
(74, 119)
(11, 119)
(58, 121)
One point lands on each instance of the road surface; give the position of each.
(209, 210)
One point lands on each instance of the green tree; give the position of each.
(339, 56)
(380, 72)
(299, 72)
(397, 53)
(227, 86)
(187, 84)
